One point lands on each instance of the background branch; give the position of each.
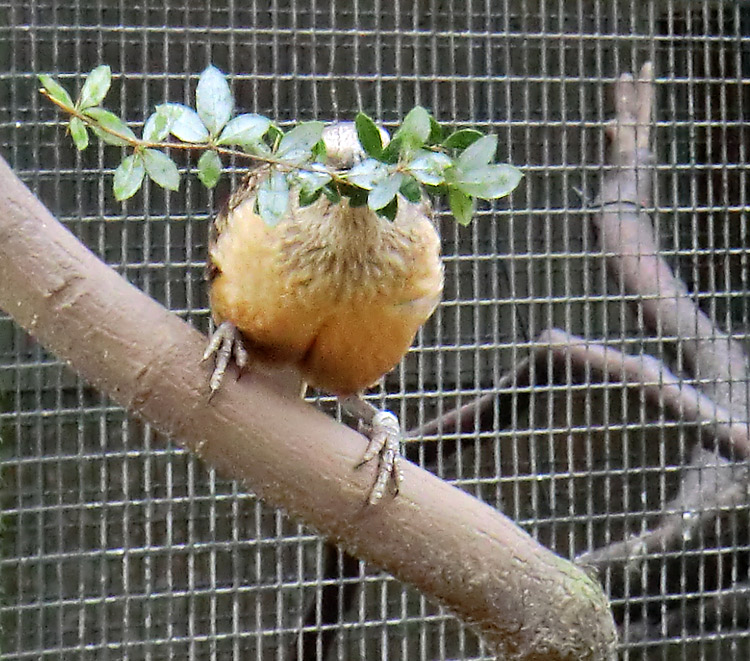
(711, 485)
(526, 602)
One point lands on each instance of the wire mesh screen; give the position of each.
(116, 544)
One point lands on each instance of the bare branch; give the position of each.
(710, 485)
(659, 385)
(718, 363)
(627, 237)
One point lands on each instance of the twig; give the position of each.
(660, 386)
(137, 143)
(709, 486)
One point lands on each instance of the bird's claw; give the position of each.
(385, 440)
(225, 342)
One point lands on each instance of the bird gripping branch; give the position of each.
(335, 291)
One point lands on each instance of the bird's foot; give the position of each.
(385, 441)
(225, 342)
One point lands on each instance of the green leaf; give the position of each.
(478, 153)
(392, 151)
(95, 87)
(462, 206)
(244, 130)
(411, 190)
(296, 146)
(273, 198)
(213, 100)
(160, 123)
(79, 133)
(489, 182)
(369, 135)
(357, 197)
(314, 179)
(209, 168)
(319, 152)
(367, 174)
(390, 210)
(416, 127)
(462, 139)
(55, 90)
(429, 167)
(108, 120)
(161, 169)
(385, 191)
(436, 132)
(188, 127)
(259, 148)
(306, 198)
(129, 177)
(275, 134)
(332, 193)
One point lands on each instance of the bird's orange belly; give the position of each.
(356, 346)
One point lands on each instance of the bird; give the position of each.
(334, 293)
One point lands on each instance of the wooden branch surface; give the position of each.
(626, 234)
(526, 602)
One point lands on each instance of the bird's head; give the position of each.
(342, 144)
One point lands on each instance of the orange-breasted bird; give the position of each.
(334, 291)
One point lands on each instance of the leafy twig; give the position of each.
(460, 166)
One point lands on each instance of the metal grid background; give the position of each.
(116, 545)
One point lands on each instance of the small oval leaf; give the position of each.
(307, 198)
(209, 168)
(244, 130)
(384, 192)
(332, 193)
(160, 123)
(296, 146)
(478, 153)
(213, 100)
(273, 198)
(55, 90)
(95, 87)
(161, 169)
(367, 174)
(79, 133)
(128, 177)
(275, 134)
(312, 180)
(436, 132)
(411, 190)
(369, 135)
(390, 210)
(489, 182)
(416, 127)
(110, 128)
(188, 127)
(462, 139)
(462, 206)
(429, 167)
(392, 151)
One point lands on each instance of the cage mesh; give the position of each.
(116, 544)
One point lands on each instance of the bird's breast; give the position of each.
(337, 291)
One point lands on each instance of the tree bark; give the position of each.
(526, 602)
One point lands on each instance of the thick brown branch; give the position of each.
(526, 602)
